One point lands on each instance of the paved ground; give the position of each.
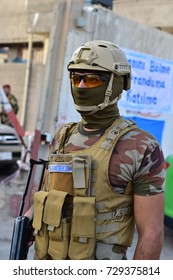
(7, 221)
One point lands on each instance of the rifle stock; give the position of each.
(22, 230)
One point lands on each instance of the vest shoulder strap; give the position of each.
(62, 135)
(119, 128)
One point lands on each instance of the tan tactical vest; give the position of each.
(78, 207)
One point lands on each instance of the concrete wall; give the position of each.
(105, 24)
(15, 16)
(13, 21)
(40, 15)
(156, 13)
(34, 97)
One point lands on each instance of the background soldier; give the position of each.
(14, 103)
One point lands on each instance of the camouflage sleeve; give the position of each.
(14, 103)
(150, 177)
(138, 158)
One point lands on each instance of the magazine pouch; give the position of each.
(82, 242)
(58, 220)
(41, 232)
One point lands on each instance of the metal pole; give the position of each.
(27, 78)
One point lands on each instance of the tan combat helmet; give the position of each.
(101, 55)
(104, 56)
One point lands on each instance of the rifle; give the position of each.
(22, 229)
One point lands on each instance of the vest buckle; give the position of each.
(118, 214)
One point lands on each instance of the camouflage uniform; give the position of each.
(137, 158)
(14, 103)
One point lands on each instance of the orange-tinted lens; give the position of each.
(90, 80)
(75, 79)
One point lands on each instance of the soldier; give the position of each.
(14, 103)
(105, 174)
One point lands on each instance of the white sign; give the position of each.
(151, 84)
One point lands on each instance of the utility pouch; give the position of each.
(58, 222)
(41, 232)
(69, 172)
(60, 173)
(82, 242)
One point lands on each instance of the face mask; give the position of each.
(95, 96)
(101, 119)
(88, 96)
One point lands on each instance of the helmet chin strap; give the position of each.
(101, 106)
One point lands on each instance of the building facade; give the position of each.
(155, 13)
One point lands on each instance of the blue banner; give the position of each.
(154, 127)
